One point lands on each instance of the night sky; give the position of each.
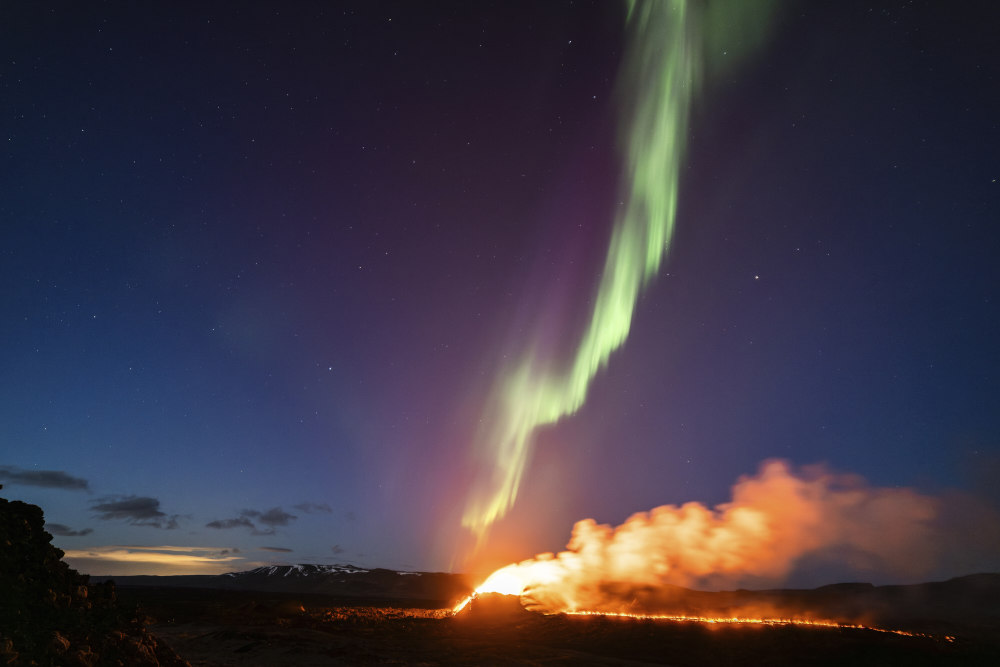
(259, 268)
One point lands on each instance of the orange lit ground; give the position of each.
(763, 621)
(227, 628)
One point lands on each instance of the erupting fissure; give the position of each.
(774, 519)
(733, 620)
(661, 71)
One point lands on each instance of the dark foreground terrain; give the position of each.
(344, 615)
(208, 627)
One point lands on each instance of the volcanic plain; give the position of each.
(955, 622)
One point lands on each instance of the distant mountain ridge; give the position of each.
(969, 600)
(305, 570)
(340, 580)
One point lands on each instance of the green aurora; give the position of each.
(671, 45)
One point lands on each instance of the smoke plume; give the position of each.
(775, 519)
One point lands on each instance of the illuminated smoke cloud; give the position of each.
(775, 519)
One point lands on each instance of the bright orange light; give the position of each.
(723, 620)
(742, 620)
(774, 518)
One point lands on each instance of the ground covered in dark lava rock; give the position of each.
(242, 628)
(52, 615)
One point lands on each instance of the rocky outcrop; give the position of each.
(50, 615)
(495, 608)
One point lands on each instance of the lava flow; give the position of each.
(749, 620)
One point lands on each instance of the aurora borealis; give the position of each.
(262, 270)
(660, 74)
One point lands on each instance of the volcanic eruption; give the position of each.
(660, 74)
(774, 519)
(777, 517)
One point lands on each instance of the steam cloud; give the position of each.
(775, 519)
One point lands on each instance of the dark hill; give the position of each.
(346, 581)
(51, 615)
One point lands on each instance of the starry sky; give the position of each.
(259, 267)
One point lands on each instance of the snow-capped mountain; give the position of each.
(303, 570)
(336, 580)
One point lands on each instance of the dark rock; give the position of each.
(59, 644)
(495, 607)
(50, 615)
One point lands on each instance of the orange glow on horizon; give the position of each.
(162, 560)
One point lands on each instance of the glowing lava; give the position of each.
(749, 620)
(505, 581)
